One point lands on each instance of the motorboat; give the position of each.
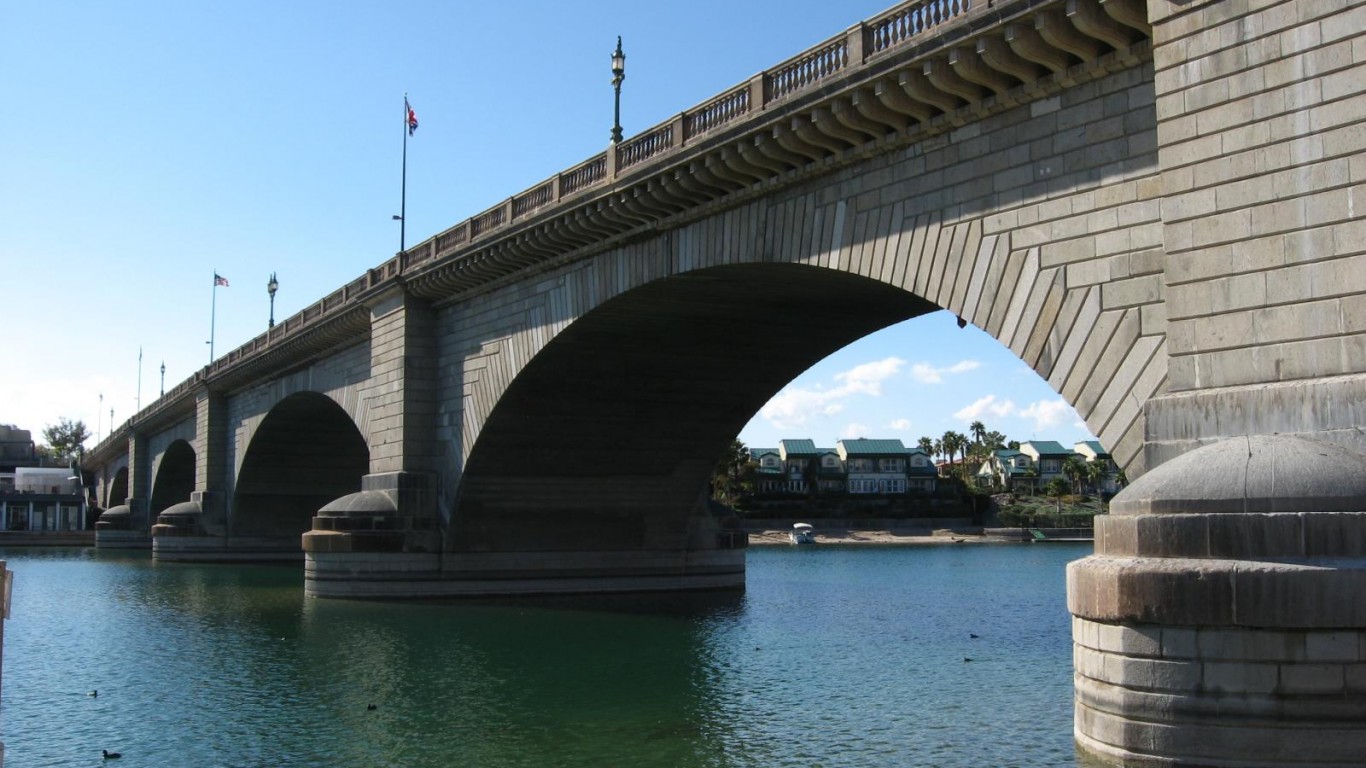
(803, 533)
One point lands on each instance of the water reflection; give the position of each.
(847, 658)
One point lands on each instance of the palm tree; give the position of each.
(995, 441)
(1074, 469)
(927, 445)
(949, 443)
(1095, 473)
(734, 473)
(979, 432)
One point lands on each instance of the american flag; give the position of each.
(219, 280)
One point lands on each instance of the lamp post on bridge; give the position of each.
(271, 288)
(163, 378)
(618, 74)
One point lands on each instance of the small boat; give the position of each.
(803, 533)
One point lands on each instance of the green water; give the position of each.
(831, 657)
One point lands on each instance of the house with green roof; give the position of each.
(1007, 468)
(885, 466)
(1048, 457)
(1095, 454)
(852, 466)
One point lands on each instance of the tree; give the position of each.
(1074, 469)
(66, 438)
(1095, 474)
(1057, 488)
(949, 444)
(979, 432)
(734, 474)
(927, 445)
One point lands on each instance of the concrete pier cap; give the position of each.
(1222, 619)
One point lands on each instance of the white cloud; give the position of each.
(1049, 413)
(854, 430)
(903, 425)
(794, 406)
(984, 405)
(928, 374)
(868, 378)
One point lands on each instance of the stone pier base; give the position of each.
(330, 573)
(106, 538)
(1222, 619)
(217, 549)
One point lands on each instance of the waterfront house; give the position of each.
(1048, 457)
(885, 466)
(41, 499)
(1094, 453)
(1007, 468)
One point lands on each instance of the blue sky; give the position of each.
(146, 145)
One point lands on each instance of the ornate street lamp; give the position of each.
(618, 74)
(271, 288)
(163, 378)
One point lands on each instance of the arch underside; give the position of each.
(305, 453)
(608, 436)
(118, 489)
(174, 478)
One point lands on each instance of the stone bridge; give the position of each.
(1152, 205)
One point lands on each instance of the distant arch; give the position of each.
(118, 489)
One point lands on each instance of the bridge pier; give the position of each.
(1220, 621)
(116, 528)
(194, 531)
(384, 542)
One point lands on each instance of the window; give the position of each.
(893, 485)
(769, 461)
(890, 465)
(860, 465)
(831, 461)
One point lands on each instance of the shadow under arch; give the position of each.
(174, 481)
(118, 489)
(607, 438)
(305, 453)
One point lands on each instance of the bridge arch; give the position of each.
(1038, 224)
(304, 453)
(173, 477)
(644, 392)
(117, 491)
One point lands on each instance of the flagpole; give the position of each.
(213, 314)
(403, 194)
(139, 378)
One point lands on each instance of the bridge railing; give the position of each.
(800, 74)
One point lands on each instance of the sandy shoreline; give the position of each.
(845, 536)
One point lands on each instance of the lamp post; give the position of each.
(163, 378)
(271, 288)
(618, 74)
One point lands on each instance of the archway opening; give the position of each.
(305, 453)
(608, 437)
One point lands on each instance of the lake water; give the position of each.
(833, 656)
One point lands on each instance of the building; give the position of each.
(1008, 468)
(1038, 462)
(860, 466)
(34, 495)
(1094, 453)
